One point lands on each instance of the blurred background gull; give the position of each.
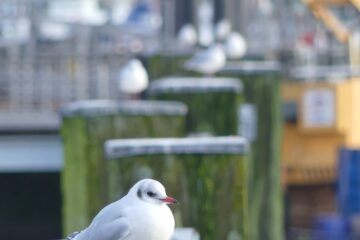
(207, 61)
(235, 46)
(187, 36)
(133, 78)
(222, 29)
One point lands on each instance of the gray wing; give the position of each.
(72, 235)
(119, 229)
(196, 60)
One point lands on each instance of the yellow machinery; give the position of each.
(328, 117)
(327, 113)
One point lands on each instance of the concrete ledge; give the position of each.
(13, 122)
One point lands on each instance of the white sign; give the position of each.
(319, 108)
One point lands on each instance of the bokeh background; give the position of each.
(293, 96)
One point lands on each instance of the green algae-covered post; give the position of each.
(86, 125)
(207, 175)
(213, 102)
(261, 123)
(167, 62)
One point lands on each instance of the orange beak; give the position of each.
(170, 200)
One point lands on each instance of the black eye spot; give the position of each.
(139, 194)
(150, 194)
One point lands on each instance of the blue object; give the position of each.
(137, 14)
(331, 227)
(349, 181)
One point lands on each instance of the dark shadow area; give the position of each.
(30, 206)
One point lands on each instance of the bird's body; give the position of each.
(208, 61)
(235, 46)
(136, 216)
(133, 78)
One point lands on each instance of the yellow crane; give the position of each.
(321, 10)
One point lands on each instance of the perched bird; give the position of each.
(187, 36)
(208, 61)
(133, 78)
(141, 214)
(222, 30)
(235, 46)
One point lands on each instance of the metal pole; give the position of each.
(169, 21)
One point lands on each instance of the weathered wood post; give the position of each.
(213, 102)
(86, 126)
(261, 123)
(207, 175)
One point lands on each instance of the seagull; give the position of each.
(187, 36)
(141, 214)
(235, 46)
(222, 29)
(133, 78)
(208, 61)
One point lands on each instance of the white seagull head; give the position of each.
(222, 29)
(133, 77)
(235, 46)
(152, 192)
(216, 49)
(187, 36)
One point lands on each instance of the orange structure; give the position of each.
(327, 118)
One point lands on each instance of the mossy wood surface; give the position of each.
(170, 63)
(211, 188)
(166, 64)
(210, 111)
(84, 179)
(213, 113)
(262, 89)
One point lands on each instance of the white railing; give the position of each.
(46, 83)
